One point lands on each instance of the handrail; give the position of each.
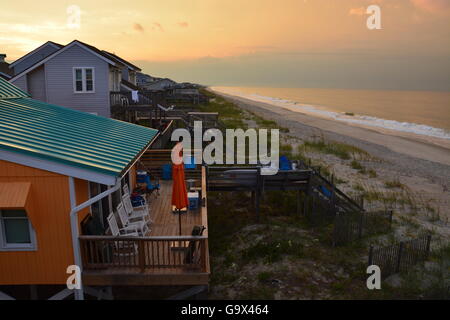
(337, 191)
(159, 238)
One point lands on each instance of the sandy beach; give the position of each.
(422, 165)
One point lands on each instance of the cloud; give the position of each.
(157, 26)
(357, 11)
(183, 24)
(138, 27)
(433, 6)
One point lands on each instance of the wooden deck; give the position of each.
(166, 223)
(154, 259)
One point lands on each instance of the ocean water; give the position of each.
(420, 112)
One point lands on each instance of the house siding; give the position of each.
(59, 75)
(50, 207)
(34, 58)
(21, 83)
(36, 84)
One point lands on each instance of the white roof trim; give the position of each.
(70, 45)
(58, 168)
(48, 43)
(123, 61)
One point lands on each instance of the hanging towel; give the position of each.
(134, 95)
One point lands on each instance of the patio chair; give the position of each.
(141, 225)
(120, 248)
(152, 186)
(114, 227)
(142, 202)
(136, 213)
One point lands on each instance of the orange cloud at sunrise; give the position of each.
(182, 31)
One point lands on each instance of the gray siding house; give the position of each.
(78, 76)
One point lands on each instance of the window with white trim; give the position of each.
(83, 80)
(16, 231)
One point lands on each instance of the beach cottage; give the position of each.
(55, 165)
(65, 201)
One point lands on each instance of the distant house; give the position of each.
(78, 76)
(142, 79)
(160, 84)
(5, 71)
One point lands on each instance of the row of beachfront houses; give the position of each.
(81, 76)
(67, 172)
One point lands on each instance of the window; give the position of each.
(16, 231)
(83, 80)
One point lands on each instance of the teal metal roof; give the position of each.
(62, 135)
(7, 90)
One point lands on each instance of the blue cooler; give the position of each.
(189, 162)
(167, 172)
(193, 199)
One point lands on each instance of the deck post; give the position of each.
(203, 254)
(141, 252)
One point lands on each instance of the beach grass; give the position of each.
(341, 150)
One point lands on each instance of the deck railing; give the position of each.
(144, 253)
(125, 99)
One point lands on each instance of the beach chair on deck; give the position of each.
(119, 249)
(285, 164)
(136, 213)
(135, 203)
(114, 227)
(140, 225)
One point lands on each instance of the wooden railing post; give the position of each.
(203, 254)
(141, 253)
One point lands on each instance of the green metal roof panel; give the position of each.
(70, 137)
(8, 90)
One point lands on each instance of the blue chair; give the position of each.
(285, 163)
(327, 193)
(151, 186)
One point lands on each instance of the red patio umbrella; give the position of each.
(179, 192)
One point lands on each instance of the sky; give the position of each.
(277, 43)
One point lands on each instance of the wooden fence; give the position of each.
(400, 257)
(351, 226)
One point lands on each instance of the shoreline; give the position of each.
(408, 145)
(424, 169)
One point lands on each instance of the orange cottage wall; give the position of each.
(49, 206)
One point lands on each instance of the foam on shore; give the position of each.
(415, 128)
